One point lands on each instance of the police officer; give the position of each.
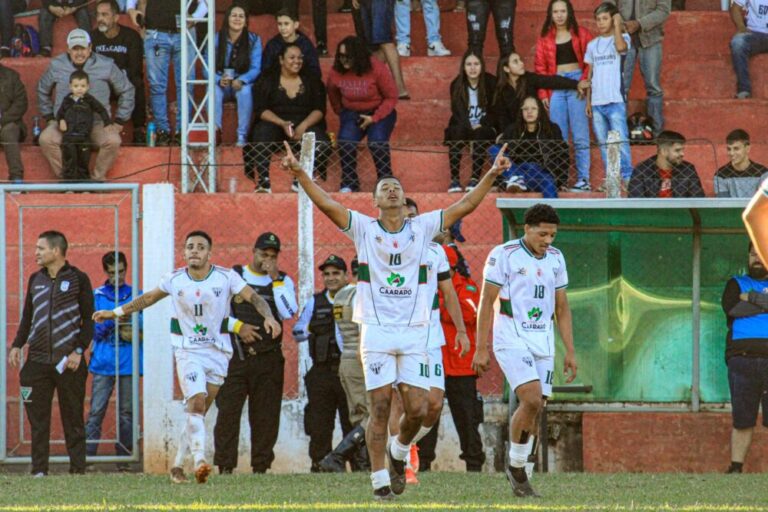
(255, 370)
(352, 447)
(325, 395)
(745, 303)
(56, 324)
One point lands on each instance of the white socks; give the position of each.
(181, 453)
(399, 451)
(518, 454)
(196, 436)
(380, 479)
(423, 431)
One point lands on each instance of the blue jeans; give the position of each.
(244, 100)
(46, 21)
(431, 13)
(566, 110)
(743, 46)
(613, 116)
(650, 68)
(160, 48)
(535, 177)
(101, 390)
(378, 144)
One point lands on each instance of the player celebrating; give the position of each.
(756, 220)
(393, 306)
(201, 295)
(529, 278)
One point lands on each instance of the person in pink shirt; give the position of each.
(363, 94)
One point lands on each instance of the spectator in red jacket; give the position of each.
(560, 51)
(460, 380)
(363, 94)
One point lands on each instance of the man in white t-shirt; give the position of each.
(393, 305)
(201, 295)
(751, 38)
(606, 98)
(529, 278)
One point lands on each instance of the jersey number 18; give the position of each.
(538, 291)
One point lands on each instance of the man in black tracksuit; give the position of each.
(325, 394)
(255, 370)
(56, 324)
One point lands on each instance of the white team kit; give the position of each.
(523, 327)
(393, 302)
(201, 343)
(437, 264)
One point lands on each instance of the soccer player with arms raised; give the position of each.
(201, 295)
(529, 278)
(393, 306)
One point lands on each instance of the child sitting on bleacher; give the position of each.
(75, 117)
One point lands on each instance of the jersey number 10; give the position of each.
(394, 259)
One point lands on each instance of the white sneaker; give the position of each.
(581, 186)
(39, 475)
(345, 190)
(404, 49)
(240, 142)
(438, 49)
(516, 184)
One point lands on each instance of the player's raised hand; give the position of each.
(249, 333)
(501, 163)
(289, 161)
(481, 362)
(272, 327)
(570, 364)
(462, 340)
(103, 315)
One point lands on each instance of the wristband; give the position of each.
(118, 311)
(234, 325)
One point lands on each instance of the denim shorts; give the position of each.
(748, 380)
(378, 19)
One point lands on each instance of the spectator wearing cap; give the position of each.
(460, 380)
(255, 370)
(105, 78)
(52, 10)
(740, 177)
(352, 447)
(325, 395)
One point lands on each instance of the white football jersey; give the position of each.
(201, 308)
(437, 263)
(392, 275)
(526, 307)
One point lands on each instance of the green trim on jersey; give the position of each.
(436, 302)
(422, 274)
(363, 273)
(529, 253)
(349, 222)
(561, 287)
(494, 283)
(213, 267)
(391, 232)
(506, 307)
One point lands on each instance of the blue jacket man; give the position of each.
(106, 351)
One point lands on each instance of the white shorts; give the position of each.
(197, 368)
(520, 366)
(436, 370)
(394, 354)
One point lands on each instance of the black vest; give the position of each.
(322, 332)
(245, 312)
(161, 14)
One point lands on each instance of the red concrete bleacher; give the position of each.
(697, 78)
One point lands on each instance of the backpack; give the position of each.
(640, 128)
(25, 41)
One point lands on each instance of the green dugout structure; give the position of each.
(645, 281)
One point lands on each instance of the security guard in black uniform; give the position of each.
(325, 394)
(255, 370)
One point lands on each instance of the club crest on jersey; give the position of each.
(394, 244)
(64, 286)
(539, 273)
(217, 291)
(375, 368)
(197, 293)
(201, 330)
(395, 288)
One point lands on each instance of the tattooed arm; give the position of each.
(139, 303)
(271, 326)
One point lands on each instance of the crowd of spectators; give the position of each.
(580, 77)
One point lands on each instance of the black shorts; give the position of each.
(748, 380)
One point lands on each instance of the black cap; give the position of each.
(334, 261)
(267, 240)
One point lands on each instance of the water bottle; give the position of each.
(151, 134)
(36, 130)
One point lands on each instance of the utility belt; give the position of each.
(247, 350)
(332, 366)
